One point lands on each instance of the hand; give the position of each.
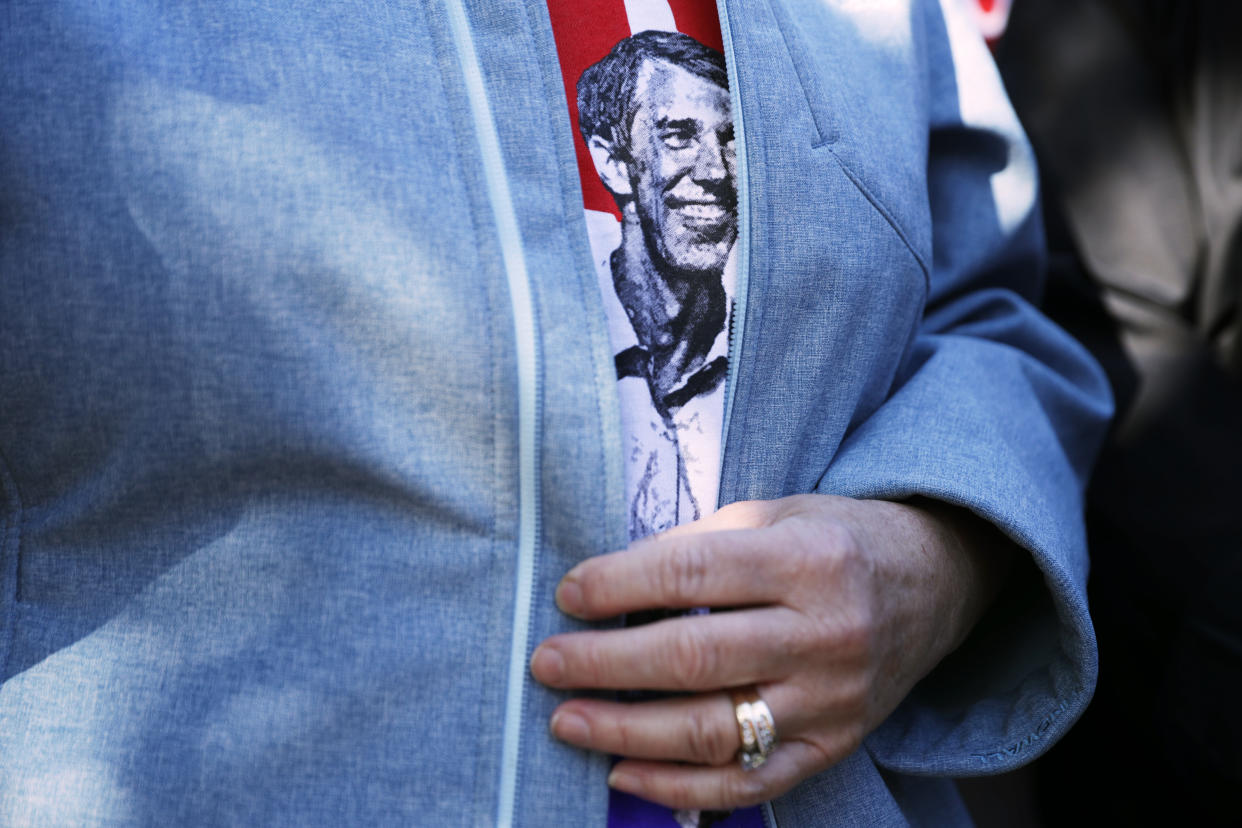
(840, 607)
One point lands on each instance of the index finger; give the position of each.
(739, 567)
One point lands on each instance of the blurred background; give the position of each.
(1135, 111)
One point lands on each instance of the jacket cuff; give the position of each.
(1009, 450)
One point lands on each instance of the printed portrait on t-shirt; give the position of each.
(655, 116)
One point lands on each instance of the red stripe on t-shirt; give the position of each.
(698, 18)
(578, 46)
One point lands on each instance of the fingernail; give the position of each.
(570, 727)
(622, 781)
(569, 597)
(547, 665)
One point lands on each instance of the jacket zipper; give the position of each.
(737, 320)
(527, 357)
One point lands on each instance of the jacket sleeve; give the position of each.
(996, 410)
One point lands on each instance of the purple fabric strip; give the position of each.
(628, 811)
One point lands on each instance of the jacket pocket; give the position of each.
(814, 88)
(858, 67)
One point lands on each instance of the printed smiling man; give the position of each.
(655, 115)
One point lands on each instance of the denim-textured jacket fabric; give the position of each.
(262, 399)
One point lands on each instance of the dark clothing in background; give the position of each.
(1135, 110)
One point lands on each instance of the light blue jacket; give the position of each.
(306, 398)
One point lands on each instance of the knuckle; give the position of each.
(813, 559)
(625, 739)
(801, 641)
(681, 792)
(854, 635)
(801, 562)
(853, 703)
(851, 544)
(844, 635)
(840, 541)
(857, 634)
(591, 663)
(683, 574)
(706, 742)
(693, 659)
(743, 789)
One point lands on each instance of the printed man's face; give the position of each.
(683, 168)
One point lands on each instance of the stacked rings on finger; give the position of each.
(756, 727)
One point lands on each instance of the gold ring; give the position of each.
(755, 726)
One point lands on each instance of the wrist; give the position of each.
(974, 560)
